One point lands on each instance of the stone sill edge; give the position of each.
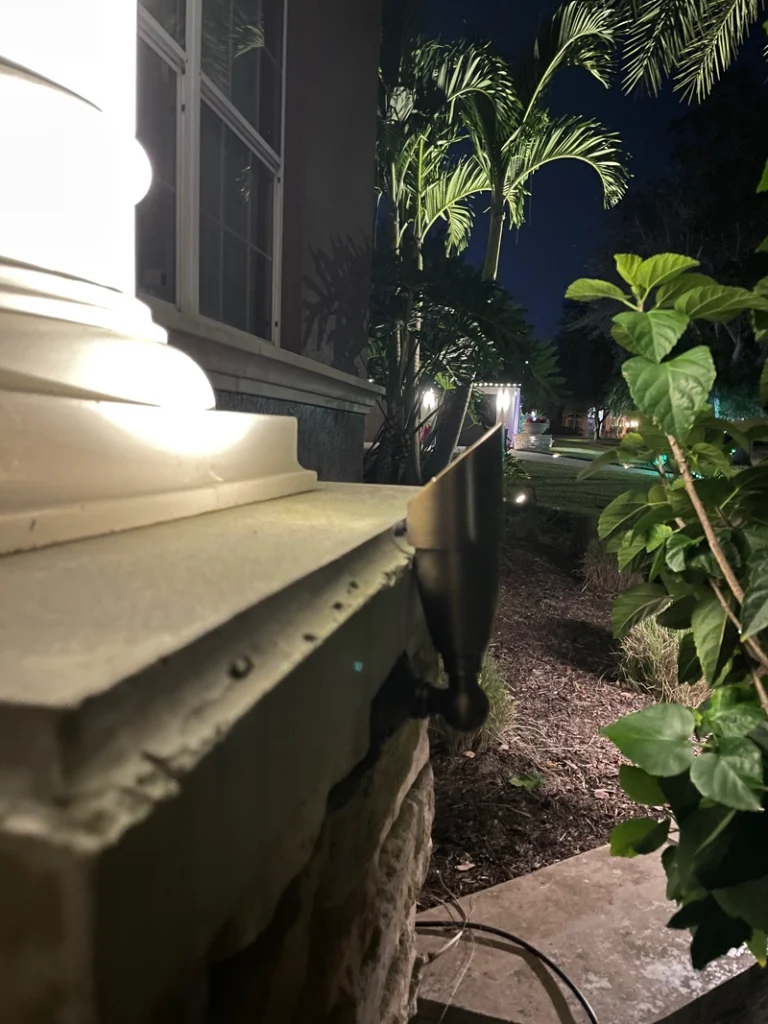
(326, 385)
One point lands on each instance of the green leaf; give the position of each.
(731, 775)
(763, 247)
(758, 946)
(640, 786)
(763, 186)
(658, 535)
(653, 334)
(588, 289)
(638, 836)
(677, 547)
(620, 511)
(764, 384)
(628, 266)
(679, 613)
(708, 624)
(672, 392)
(606, 458)
(754, 611)
(714, 931)
(748, 901)
(669, 862)
(688, 666)
(718, 304)
(660, 269)
(738, 720)
(656, 739)
(529, 781)
(636, 604)
(628, 550)
(667, 294)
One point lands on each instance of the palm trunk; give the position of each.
(448, 429)
(495, 231)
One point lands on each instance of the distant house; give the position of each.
(253, 243)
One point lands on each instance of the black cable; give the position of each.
(470, 925)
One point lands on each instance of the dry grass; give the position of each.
(601, 574)
(648, 658)
(496, 726)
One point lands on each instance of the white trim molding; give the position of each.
(239, 362)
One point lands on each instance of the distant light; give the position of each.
(555, 455)
(358, 666)
(521, 498)
(429, 400)
(503, 400)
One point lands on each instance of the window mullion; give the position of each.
(188, 237)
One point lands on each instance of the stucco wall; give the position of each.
(330, 138)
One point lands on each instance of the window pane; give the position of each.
(210, 267)
(262, 207)
(170, 14)
(156, 213)
(235, 282)
(261, 295)
(236, 230)
(242, 50)
(237, 184)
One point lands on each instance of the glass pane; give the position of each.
(273, 28)
(236, 230)
(210, 161)
(210, 267)
(261, 295)
(242, 49)
(237, 184)
(156, 214)
(269, 101)
(262, 207)
(235, 282)
(170, 14)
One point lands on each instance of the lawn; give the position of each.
(557, 485)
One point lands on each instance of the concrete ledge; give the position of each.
(603, 920)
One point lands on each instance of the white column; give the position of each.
(104, 426)
(70, 175)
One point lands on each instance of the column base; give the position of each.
(71, 468)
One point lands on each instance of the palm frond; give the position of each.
(446, 199)
(693, 41)
(583, 34)
(657, 33)
(713, 43)
(566, 138)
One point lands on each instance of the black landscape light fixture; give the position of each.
(454, 524)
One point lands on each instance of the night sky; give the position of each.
(566, 215)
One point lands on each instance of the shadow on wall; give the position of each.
(336, 296)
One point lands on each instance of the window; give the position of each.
(156, 122)
(213, 134)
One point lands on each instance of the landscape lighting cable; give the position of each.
(461, 926)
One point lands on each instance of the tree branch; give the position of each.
(714, 544)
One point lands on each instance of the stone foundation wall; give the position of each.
(330, 440)
(340, 947)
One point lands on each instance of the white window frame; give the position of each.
(194, 87)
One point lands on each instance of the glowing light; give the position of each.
(180, 431)
(555, 455)
(521, 498)
(429, 401)
(503, 401)
(141, 173)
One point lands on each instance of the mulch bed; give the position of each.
(555, 646)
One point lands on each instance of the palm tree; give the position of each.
(514, 135)
(691, 41)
